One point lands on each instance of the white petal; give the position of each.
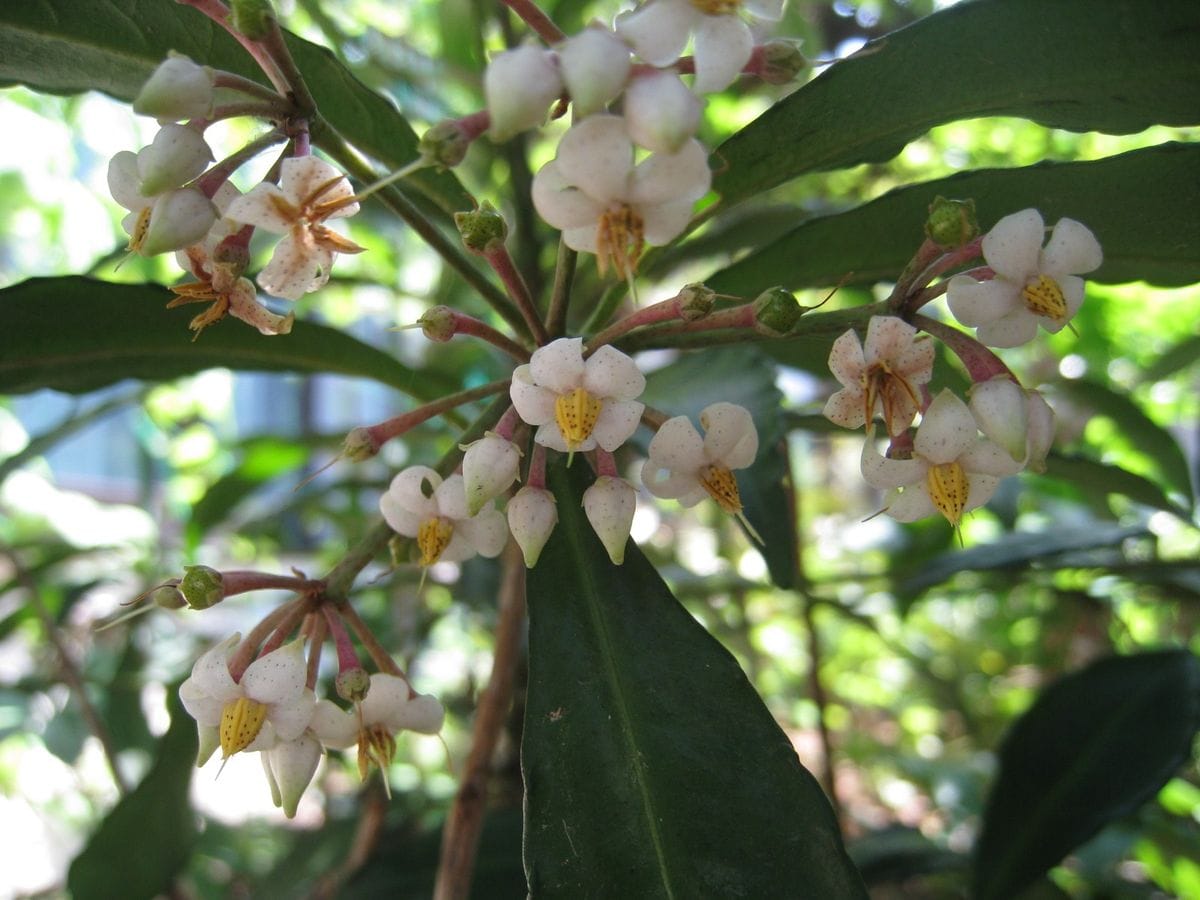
(124, 181)
(1072, 287)
(560, 204)
(1013, 245)
(610, 373)
(975, 303)
(333, 726)
(663, 223)
(296, 267)
(882, 473)
(946, 431)
(550, 436)
(677, 446)
(585, 239)
(532, 515)
(258, 209)
(423, 714)
(888, 337)
(210, 674)
(400, 520)
(723, 46)
(386, 698)
(277, 677)
(662, 483)
(204, 708)
(244, 305)
(487, 532)
(980, 489)
(617, 422)
(451, 498)
(916, 363)
(460, 547)
(489, 466)
(845, 408)
(291, 718)
(558, 365)
(291, 765)
(534, 404)
(730, 438)
(847, 363)
(596, 155)
(175, 156)
(178, 219)
(674, 177)
(659, 30)
(595, 64)
(912, 505)
(986, 458)
(406, 494)
(1072, 249)
(1012, 330)
(301, 177)
(660, 112)
(520, 84)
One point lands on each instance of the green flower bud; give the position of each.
(359, 445)
(251, 17)
(782, 61)
(776, 312)
(202, 587)
(438, 324)
(168, 596)
(481, 228)
(353, 684)
(951, 223)
(696, 301)
(445, 143)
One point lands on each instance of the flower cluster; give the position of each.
(960, 451)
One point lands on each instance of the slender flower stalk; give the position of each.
(501, 261)
(316, 635)
(980, 362)
(692, 303)
(916, 297)
(560, 295)
(378, 653)
(287, 624)
(220, 13)
(537, 20)
(248, 86)
(210, 181)
(241, 658)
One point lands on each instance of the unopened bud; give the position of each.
(519, 85)
(776, 312)
(352, 684)
(445, 143)
(696, 301)
(481, 228)
(951, 223)
(661, 113)
(178, 219)
(178, 89)
(251, 17)
(168, 597)
(438, 324)
(359, 445)
(609, 505)
(1001, 410)
(202, 586)
(175, 156)
(489, 466)
(532, 515)
(782, 61)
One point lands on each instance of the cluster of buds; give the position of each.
(960, 450)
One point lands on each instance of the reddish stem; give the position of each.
(210, 182)
(500, 260)
(507, 426)
(381, 433)
(315, 645)
(378, 653)
(473, 125)
(536, 477)
(537, 20)
(219, 13)
(240, 660)
(241, 581)
(606, 464)
(464, 324)
(286, 626)
(347, 658)
(980, 362)
(664, 311)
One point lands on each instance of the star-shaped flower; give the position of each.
(683, 466)
(1033, 285)
(309, 192)
(419, 504)
(578, 405)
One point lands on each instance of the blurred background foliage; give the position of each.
(906, 656)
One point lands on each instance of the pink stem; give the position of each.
(381, 433)
(347, 658)
(664, 311)
(501, 262)
(980, 362)
(379, 655)
(536, 477)
(315, 644)
(241, 581)
(219, 13)
(508, 423)
(536, 20)
(285, 627)
(244, 654)
(210, 182)
(464, 324)
(606, 464)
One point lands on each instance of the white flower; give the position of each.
(609, 504)
(489, 465)
(519, 85)
(660, 112)
(269, 703)
(419, 504)
(289, 767)
(1018, 420)
(310, 191)
(604, 204)
(884, 377)
(952, 471)
(659, 30)
(532, 514)
(1032, 285)
(388, 708)
(177, 89)
(579, 405)
(683, 466)
(240, 300)
(594, 64)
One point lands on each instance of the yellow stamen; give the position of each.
(283, 207)
(883, 387)
(375, 745)
(576, 414)
(948, 489)
(241, 721)
(331, 240)
(620, 237)
(722, 487)
(141, 226)
(433, 536)
(1044, 297)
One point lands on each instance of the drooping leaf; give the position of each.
(1093, 748)
(145, 841)
(1141, 206)
(67, 46)
(77, 334)
(652, 768)
(988, 58)
(1098, 479)
(1178, 357)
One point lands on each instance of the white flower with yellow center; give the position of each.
(952, 471)
(269, 703)
(659, 30)
(578, 405)
(604, 204)
(419, 504)
(1033, 285)
(309, 192)
(683, 466)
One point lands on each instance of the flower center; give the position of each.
(717, 7)
(884, 388)
(620, 238)
(241, 721)
(576, 414)
(948, 489)
(375, 745)
(433, 536)
(722, 487)
(141, 225)
(1044, 297)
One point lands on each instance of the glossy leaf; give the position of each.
(652, 768)
(1094, 747)
(68, 46)
(1141, 206)
(146, 840)
(991, 58)
(77, 334)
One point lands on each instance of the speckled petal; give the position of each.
(730, 438)
(258, 209)
(946, 431)
(723, 45)
(847, 363)
(911, 505)
(300, 177)
(976, 303)
(888, 337)
(297, 267)
(980, 489)
(204, 708)
(677, 446)
(883, 473)
(535, 405)
(617, 422)
(277, 677)
(291, 718)
(558, 365)
(596, 155)
(487, 531)
(1014, 244)
(210, 674)
(333, 726)
(610, 373)
(845, 408)
(1071, 250)
(987, 458)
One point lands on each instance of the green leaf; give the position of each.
(68, 46)
(1097, 479)
(1182, 355)
(146, 840)
(988, 58)
(1141, 205)
(1094, 747)
(652, 768)
(77, 334)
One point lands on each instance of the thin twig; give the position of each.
(560, 297)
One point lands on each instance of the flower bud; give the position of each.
(1001, 410)
(776, 312)
(289, 767)
(660, 112)
(179, 219)
(352, 685)
(520, 85)
(175, 156)
(782, 61)
(482, 228)
(610, 504)
(178, 89)
(445, 143)
(251, 17)
(696, 301)
(951, 223)
(532, 515)
(202, 586)
(359, 445)
(489, 466)
(437, 324)
(168, 596)
(595, 64)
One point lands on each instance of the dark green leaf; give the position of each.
(1184, 354)
(1094, 747)
(1140, 204)
(67, 46)
(145, 841)
(899, 853)
(988, 58)
(78, 334)
(1097, 479)
(652, 768)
